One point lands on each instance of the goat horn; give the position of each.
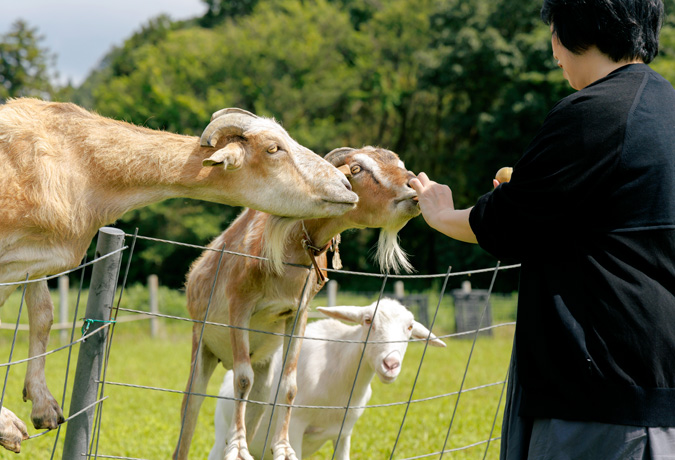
(226, 122)
(336, 156)
(222, 112)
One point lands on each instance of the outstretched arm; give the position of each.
(438, 209)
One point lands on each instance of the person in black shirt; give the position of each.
(590, 215)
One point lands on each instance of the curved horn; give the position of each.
(336, 156)
(226, 122)
(222, 112)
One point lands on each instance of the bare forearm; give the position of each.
(453, 223)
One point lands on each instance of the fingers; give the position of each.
(420, 182)
(423, 178)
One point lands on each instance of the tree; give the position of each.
(219, 10)
(25, 66)
(456, 87)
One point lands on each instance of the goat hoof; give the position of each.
(237, 452)
(47, 416)
(284, 451)
(12, 431)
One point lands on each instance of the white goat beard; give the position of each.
(276, 235)
(389, 254)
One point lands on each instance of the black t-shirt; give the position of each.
(590, 214)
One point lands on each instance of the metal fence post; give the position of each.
(90, 359)
(63, 307)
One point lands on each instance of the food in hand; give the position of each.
(504, 175)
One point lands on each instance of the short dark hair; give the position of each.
(621, 29)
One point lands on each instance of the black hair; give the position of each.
(621, 29)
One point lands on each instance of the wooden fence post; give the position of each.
(399, 291)
(63, 307)
(332, 293)
(153, 290)
(90, 359)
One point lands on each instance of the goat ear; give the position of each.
(231, 157)
(421, 332)
(344, 313)
(346, 170)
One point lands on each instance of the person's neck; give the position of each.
(598, 65)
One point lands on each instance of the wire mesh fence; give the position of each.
(446, 403)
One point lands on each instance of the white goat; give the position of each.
(66, 172)
(326, 372)
(251, 293)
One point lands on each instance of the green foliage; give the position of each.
(25, 66)
(182, 220)
(219, 10)
(456, 87)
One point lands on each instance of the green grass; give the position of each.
(145, 424)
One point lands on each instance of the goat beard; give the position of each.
(390, 256)
(275, 238)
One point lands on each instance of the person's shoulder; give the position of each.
(610, 95)
(624, 85)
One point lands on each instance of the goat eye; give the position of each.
(367, 321)
(410, 327)
(273, 148)
(356, 169)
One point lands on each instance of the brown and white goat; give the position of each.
(66, 172)
(261, 295)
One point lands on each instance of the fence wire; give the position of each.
(94, 446)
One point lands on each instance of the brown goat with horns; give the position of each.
(266, 295)
(66, 172)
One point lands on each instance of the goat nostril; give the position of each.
(347, 184)
(411, 176)
(391, 364)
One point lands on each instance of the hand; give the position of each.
(438, 209)
(434, 198)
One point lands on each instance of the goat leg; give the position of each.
(46, 411)
(281, 445)
(342, 447)
(237, 447)
(263, 378)
(12, 431)
(12, 428)
(203, 365)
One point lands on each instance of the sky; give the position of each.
(81, 32)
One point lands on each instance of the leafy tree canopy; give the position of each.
(456, 87)
(25, 66)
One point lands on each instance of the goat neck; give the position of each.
(292, 244)
(161, 167)
(316, 251)
(322, 231)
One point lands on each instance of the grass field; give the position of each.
(144, 424)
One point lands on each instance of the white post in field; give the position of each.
(399, 292)
(63, 307)
(332, 293)
(153, 289)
